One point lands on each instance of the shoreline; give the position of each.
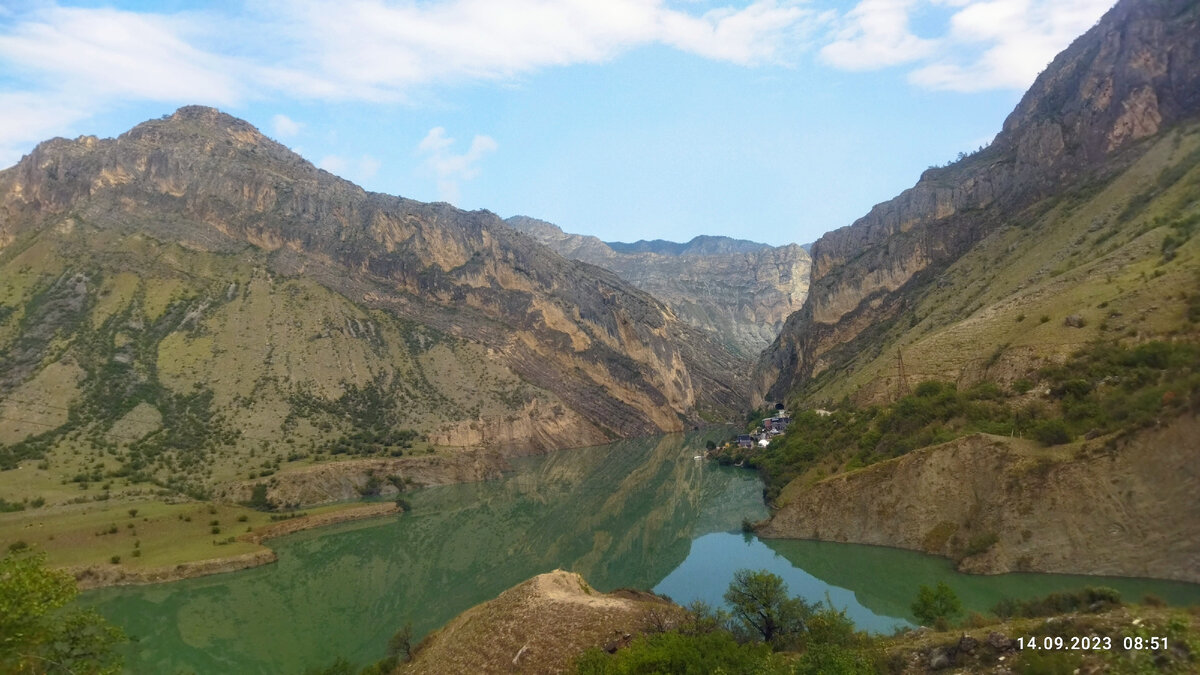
(93, 576)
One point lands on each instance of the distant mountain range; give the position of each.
(738, 291)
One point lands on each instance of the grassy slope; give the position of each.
(998, 315)
(176, 370)
(1063, 256)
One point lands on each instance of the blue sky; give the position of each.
(771, 120)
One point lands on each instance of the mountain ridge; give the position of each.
(1127, 78)
(738, 291)
(202, 207)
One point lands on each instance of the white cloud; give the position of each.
(285, 127)
(876, 34)
(376, 50)
(29, 117)
(448, 168)
(357, 170)
(107, 53)
(1019, 38)
(73, 61)
(990, 44)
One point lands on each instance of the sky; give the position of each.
(769, 120)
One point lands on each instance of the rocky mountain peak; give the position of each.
(1132, 75)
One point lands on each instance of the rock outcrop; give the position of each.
(1134, 74)
(997, 505)
(739, 291)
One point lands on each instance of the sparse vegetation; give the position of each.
(1103, 388)
(765, 622)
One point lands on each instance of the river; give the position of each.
(640, 513)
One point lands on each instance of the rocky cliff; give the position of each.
(998, 505)
(195, 277)
(739, 291)
(1134, 74)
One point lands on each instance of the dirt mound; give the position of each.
(538, 626)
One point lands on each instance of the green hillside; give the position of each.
(1079, 317)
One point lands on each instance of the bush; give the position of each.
(1051, 432)
(1090, 599)
(679, 653)
(41, 626)
(935, 605)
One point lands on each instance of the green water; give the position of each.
(632, 514)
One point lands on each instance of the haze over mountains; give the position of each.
(739, 291)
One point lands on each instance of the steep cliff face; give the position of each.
(1134, 74)
(1001, 505)
(194, 254)
(739, 291)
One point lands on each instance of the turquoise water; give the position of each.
(639, 514)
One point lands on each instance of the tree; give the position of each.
(762, 607)
(37, 635)
(935, 606)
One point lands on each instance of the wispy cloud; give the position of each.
(376, 50)
(65, 63)
(1018, 39)
(448, 168)
(113, 53)
(990, 44)
(26, 118)
(285, 127)
(355, 169)
(876, 34)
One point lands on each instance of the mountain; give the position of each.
(1097, 110)
(739, 291)
(1007, 355)
(193, 297)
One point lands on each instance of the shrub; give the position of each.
(935, 605)
(1051, 432)
(1090, 599)
(680, 653)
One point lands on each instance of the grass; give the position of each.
(166, 534)
(161, 319)
(997, 292)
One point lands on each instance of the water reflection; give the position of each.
(640, 514)
(622, 515)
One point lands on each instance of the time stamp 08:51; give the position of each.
(1089, 643)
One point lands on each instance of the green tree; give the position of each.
(935, 606)
(38, 634)
(762, 608)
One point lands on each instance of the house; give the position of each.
(745, 441)
(762, 442)
(779, 423)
